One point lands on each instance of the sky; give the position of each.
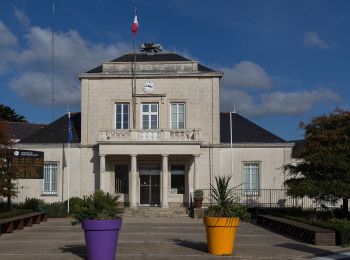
(285, 61)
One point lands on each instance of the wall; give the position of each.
(199, 94)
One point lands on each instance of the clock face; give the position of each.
(149, 87)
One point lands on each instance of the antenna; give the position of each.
(52, 63)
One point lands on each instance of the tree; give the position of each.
(324, 171)
(9, 114)
(7, 175)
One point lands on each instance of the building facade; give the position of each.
(152, 132)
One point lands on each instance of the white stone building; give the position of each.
(153, 136)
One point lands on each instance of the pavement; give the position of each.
(157, 238)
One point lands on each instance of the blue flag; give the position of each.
(70, 134)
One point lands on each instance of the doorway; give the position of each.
(150, 185)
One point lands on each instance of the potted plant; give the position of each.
(222, 218)
(198, 199)
(100, 217)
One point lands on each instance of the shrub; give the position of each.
(341, 228)
(74, 204)
(56, 210)
(324, 219)
(33, 204)
(14, 213)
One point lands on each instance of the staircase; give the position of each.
(155, 212)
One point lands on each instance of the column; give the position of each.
(165, 174)
(196, 172)
(102, 172)
(133, 182)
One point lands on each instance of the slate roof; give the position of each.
(244, 131)
(142, 57)
(20, 130)
(57, 131)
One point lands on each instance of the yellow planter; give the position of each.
(221, 233)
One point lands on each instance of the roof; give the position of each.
(57, 131)
(20, 130)
(244, 131)
(142, 57)
(158, 57)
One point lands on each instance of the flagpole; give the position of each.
(52, 64)
(68, 161)
(231, 144)
(134, 82)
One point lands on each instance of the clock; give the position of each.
(149, 87)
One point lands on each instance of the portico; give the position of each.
(153, 175)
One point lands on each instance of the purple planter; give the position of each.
(101, 238)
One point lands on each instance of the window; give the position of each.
(149, 115)
(177, 116)
(121, 179)
(50, 178)
(251, 172)
(178, 179)
(122, 116)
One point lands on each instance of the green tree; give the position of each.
(9, 114)
(7, 175)
(324, 171)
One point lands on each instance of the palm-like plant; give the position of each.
(100, 205)
(225, 205)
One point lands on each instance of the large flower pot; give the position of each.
(101, 238)
(221, 233)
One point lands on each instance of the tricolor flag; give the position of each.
(135, 25)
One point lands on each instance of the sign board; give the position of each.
(27, 164)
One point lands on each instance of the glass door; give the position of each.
(150, 186)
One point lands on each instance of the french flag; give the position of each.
(135, 25)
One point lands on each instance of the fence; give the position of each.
(265, 198)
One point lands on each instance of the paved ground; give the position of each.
(161, 238)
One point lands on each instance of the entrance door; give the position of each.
(150, 186)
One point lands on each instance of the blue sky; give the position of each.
(285, 61)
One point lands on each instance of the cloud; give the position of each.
(276, 103)
(312, 39)
(8, 45)
(72, 53)
(21, 17)
(36, 88)
(7, 39)
(246, 74)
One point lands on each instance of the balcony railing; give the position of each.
(265, 198)
(161, 135)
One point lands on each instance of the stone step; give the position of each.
(156, 212)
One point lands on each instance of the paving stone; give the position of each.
(152, 238)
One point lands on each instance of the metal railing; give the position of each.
(265, 198)
(170, 135)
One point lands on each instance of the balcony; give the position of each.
(150, 135)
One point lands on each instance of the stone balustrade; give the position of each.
(160, 135)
